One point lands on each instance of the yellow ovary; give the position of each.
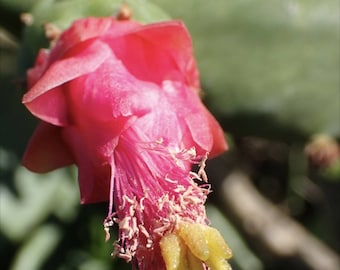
(193, 262)
(174, 253)
(193, 236)
(219, 250)
(171, 251)
(192, 245)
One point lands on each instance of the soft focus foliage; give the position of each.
(269, 69)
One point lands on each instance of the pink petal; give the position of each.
(174, 38)
(46, 150)
(93, 173)
(198, 126)
(182, 119)
(157, 52)
(34, 73)
(86, 58)
(206, 131)
(94, 182)
(219, 142)
(111, 92)
(89, 28)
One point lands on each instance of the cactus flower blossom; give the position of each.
(121, 101)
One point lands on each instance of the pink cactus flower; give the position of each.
(121, 101)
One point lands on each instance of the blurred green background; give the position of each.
(270, 74)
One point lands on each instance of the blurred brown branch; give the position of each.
(269, 230)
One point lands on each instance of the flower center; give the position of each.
(154, 190)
